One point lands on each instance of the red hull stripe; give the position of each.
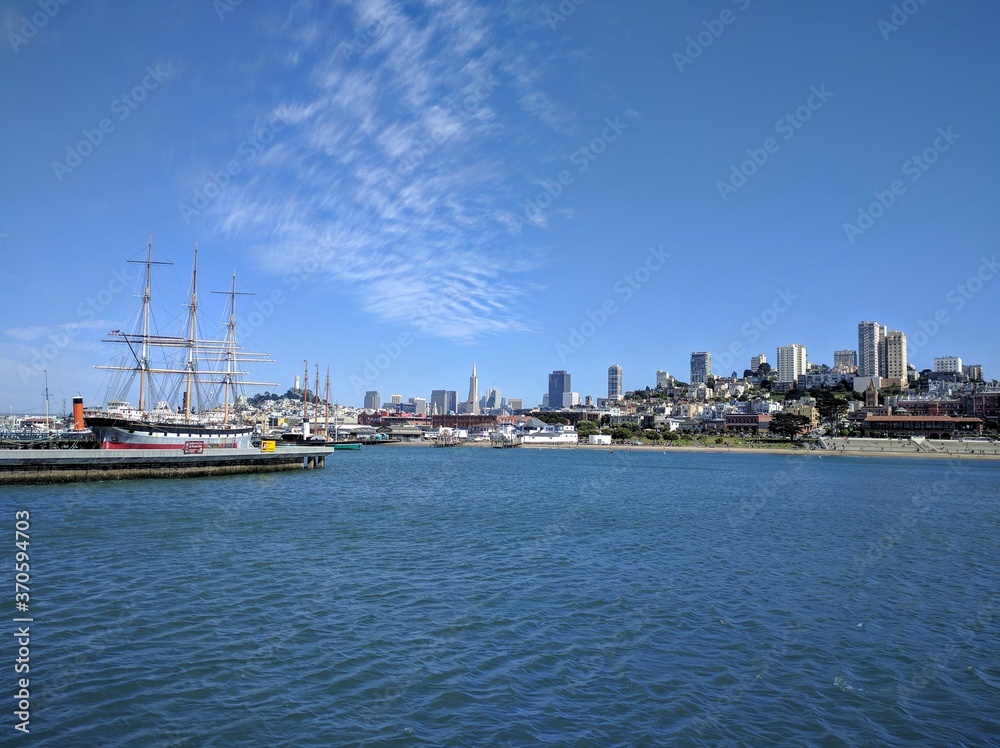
(178, 447)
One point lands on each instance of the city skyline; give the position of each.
(532, 187)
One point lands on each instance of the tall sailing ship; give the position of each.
(188, 395)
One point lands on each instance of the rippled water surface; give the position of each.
(478, 597)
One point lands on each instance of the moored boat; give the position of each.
(203, 374)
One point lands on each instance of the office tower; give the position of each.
(701, 367)
(444, 402)
(472, 404)
(515, 403)
(791, 362)
(870, 335)
(419, 406)
(395, 399)
(614, 382)
(559, 382)
(373, 400)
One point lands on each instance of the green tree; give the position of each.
(620, 434)
(831, 408)
(553, 418)
(788, 425)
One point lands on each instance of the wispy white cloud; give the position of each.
(400, 172)
(37, 332)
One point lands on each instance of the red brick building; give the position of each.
(748, 421)
(933, 427)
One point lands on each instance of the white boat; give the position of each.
(203, 374)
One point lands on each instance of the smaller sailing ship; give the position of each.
(204, 374)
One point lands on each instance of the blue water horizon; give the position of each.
(417, 596)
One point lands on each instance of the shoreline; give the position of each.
(852, 451)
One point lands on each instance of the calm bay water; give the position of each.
(479, 597)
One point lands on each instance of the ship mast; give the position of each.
(192, 336)
(230, 346)
(316, 396)
(326, 399)
(144, 358)
(48, 424)
(305, 391)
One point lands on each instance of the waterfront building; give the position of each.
(701, 367)
(933, 427)
(614, 382)
(752, 422)
(791, 362)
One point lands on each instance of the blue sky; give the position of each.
(411, 187)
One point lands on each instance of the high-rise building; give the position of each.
(570, 399)
(662, 378)
(558, 384)
(756, 361)
(395, 399)
(845, 362)
(444, 402)
(516, 403)
(870, 335)
(373, 400)
(614, 382)
(791, 362)
(701, 367)
(951, 364)
(894, 357)
(472, 404)
(491, 400)
(419, 406)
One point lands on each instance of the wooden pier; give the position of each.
(25, 467)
